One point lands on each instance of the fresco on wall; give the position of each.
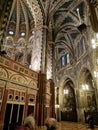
(68, 111)
(69, 100)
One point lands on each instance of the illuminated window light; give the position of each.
(30, 66)
(85, 87)
(95, 74)
(97, 35)
(11, 32)
(97, 60)
(77, 9)
(93, 41)
(22, 34)
(57, 105)
(93, 46)
(33, 32)
(66, 91)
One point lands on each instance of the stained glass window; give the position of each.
(62, 60)
(65, 59)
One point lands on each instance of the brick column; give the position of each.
(52, 101)
(40, 100)
(3, 108)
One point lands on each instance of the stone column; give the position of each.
(3, 107)
(41, 98)
(57, 103)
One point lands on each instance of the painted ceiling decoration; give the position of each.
(62, 19)
(24, 33)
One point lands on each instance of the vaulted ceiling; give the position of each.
(61, 16)
(64, 15)
(66, 20)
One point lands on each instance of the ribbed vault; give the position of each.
(66, 20)
(62, 19)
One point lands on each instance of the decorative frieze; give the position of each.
(14, 66)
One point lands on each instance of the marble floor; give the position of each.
(73, 126)
(70, 126)
(65, 126)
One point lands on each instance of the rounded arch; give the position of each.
(9, 41)
(4, 73)
(21, 42)
(19, 78)
(33, 84)
(31, 40)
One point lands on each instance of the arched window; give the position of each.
(21, 42)
(83, 43)
(65, 59)
(68, 58)
(31, 40)
(62, 61)
(81, 46)
(9, 41)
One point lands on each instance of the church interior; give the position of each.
(48, 60)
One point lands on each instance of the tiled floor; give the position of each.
(72, 126)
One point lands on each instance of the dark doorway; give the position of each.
(20, 117)
(13, 116)
(7, 117)
(30, 110)
(69, 116)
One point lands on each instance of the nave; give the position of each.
(71, 126)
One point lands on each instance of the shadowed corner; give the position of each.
(82, 27)
(2, 52)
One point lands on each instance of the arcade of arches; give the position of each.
(48, 60)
